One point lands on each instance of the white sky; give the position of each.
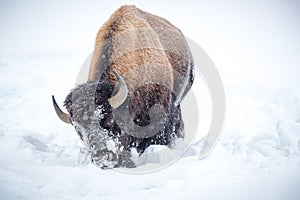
(257, 40)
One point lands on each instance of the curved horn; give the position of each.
(121, 96)
(63, 116)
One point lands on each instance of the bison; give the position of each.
(140, 71)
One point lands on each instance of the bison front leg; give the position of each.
(173, 130)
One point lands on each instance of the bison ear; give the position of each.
(121, 95)
(63, 116)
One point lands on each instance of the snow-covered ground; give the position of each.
(258, 156)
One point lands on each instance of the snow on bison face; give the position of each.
(91, 114)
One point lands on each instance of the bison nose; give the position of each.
(142, 119)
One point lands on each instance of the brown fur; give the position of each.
(141, 47)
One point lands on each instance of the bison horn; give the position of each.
(121, 96)
(63, 116)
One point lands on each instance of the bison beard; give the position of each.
(93, 119)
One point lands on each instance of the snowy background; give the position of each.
(255, 47)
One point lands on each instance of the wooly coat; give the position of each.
(141, 70)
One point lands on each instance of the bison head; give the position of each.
(90, 107)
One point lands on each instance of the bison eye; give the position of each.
(109, 122)
(131, 107)
(142, 119)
